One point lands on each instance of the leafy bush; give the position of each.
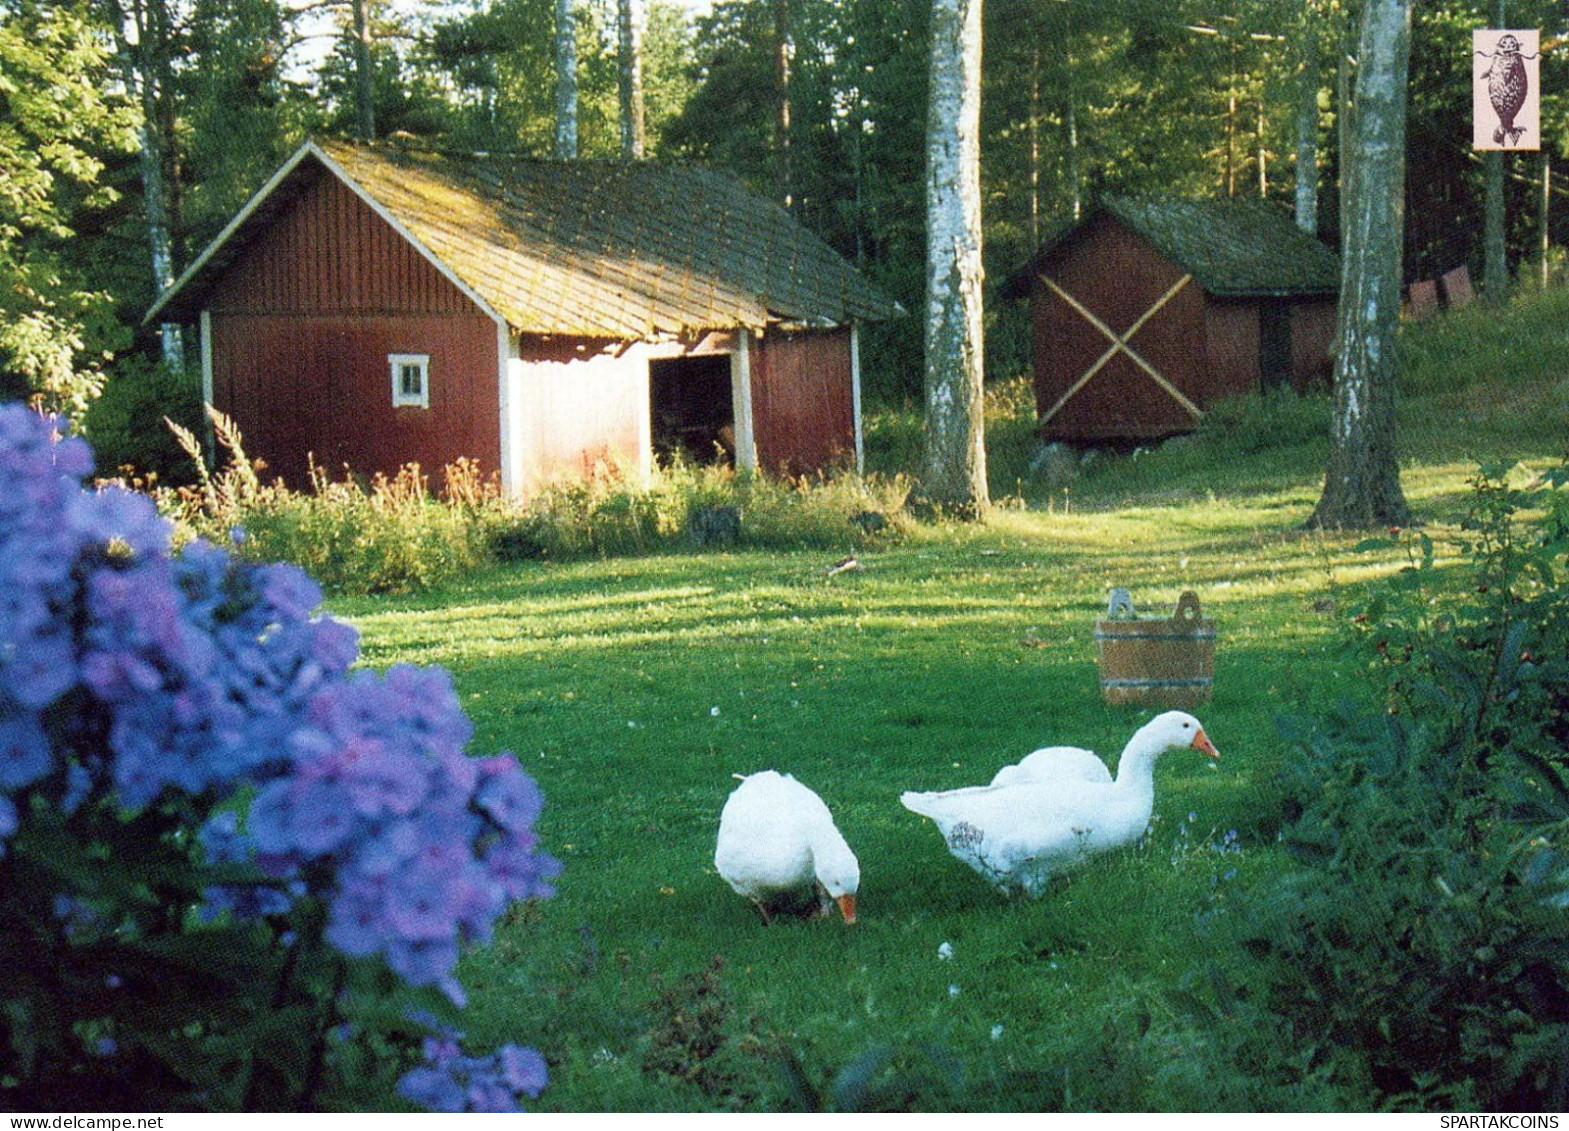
(1421, 947)
(233, 874)
(126, 424)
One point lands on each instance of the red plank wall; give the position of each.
(803, 411)
(1118, 276)
(302, 327)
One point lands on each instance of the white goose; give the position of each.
(778, 846)
(1055, 763)
(1021, 833)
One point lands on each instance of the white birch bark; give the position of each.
(1362, 482)
(566, 80)
(953, 475)
(1307, 141)
(630, 23)
(136, 44)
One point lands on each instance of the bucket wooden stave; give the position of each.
(1158, 662)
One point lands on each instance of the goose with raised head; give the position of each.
(779, 847)
(1021, 833)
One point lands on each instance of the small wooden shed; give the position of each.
(375, 305)
(1149, 309)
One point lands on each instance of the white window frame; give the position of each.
(397, 362)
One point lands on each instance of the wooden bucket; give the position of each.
(1157, 662)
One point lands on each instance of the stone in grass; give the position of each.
(1055, 465)
(870, 522)
(714, 526)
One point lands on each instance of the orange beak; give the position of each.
(847, 907)
(1201, 742)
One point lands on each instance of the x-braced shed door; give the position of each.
(1110, 383)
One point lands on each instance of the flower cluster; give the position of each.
(452, 1081)
(133, 679)
(428, 845)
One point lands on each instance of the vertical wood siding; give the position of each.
(302, 327)
(1232, 341)
(1117, 276)
(1207, 347)
(1312, 344)
(803, 411)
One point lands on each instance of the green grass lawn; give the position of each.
(633, 689)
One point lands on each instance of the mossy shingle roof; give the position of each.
(1234, 247)
(618, 250)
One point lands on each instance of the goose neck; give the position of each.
(1136, 767)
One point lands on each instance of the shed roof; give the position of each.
(1233, 247)
(618, 250)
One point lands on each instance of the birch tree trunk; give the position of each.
(1307, 137)
(953, 475)
(1362, 482)
(142, 37)
(629, 67)
(566, 80)
(784, 59)
(1495, 250)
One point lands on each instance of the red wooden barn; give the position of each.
(1150, 309)
(373, 306)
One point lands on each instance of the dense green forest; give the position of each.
(132, 130)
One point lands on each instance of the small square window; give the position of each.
(410, 379)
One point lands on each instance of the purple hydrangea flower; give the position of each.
(523, 1069)
(24, 750)
(452, 1082)
(8, 821)
(207, 683)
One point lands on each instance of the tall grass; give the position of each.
(393, 534)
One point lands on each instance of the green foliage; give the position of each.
(127, 423)
(689, 1039)
(387, 536)
(1263, 421)
(1420, 946)
(606, 516)
(57, 125)
(499, 62)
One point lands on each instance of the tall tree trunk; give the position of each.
(1546, 216)
(1345, 112)
(784, 59)
(1307, 138)
(1070, 119)
(1362, 482)
(1495, 254)
(629, 69)
(953, 475)
(1263, 153)
(143, 42)
(1231, 127)
(1035, 149)
(364, 77)
(566, 80)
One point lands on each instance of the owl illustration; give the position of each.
(1506, 89)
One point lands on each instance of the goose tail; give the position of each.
(923, 803)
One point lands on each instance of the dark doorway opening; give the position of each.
(1274, 345)
(692, 410)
